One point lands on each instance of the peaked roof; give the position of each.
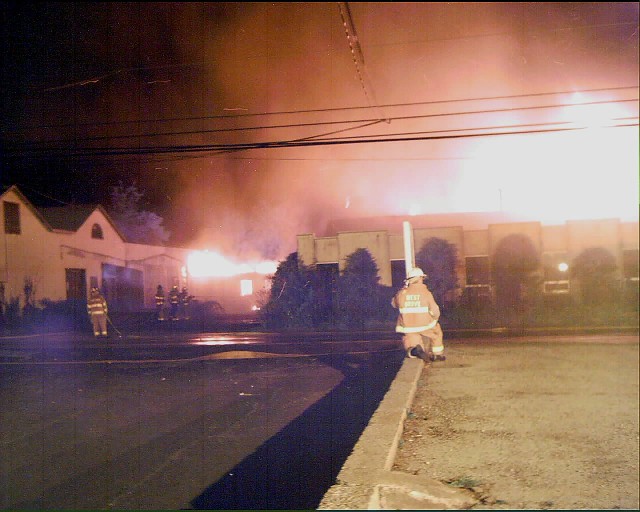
(28, 204)
(69, 218)
(66, 218)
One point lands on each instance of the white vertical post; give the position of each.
(409, 255)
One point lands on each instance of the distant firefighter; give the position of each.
(160, 303)
(185, 300)
(174, 302)
(97, 309)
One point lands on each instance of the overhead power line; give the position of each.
(217, 148)
(354, 124)
(334, 110)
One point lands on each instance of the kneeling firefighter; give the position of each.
(418, 319)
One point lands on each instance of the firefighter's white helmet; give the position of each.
(415, 272)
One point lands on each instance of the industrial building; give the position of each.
(476, 237)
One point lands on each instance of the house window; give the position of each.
(246, 287)
(96, 232)
(11, 218)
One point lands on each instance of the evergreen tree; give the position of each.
(438, 259)
(290, 302)
(358, 290)
(594, 269)
(514, 263)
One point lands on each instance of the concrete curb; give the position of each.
(366, 480)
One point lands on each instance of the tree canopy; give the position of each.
(136, 224)
(438, 259)
(594, 268)
(358, 289)
(290, 300)
(514, 262)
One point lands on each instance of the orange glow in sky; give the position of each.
(587, 174)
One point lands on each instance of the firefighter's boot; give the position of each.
(419, 352)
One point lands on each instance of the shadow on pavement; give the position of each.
(296, 467)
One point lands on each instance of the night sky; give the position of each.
(245, 124)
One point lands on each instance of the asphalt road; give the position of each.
(174, 421)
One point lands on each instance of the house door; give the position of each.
(123, 288)
(76, 279)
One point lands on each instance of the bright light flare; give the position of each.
(211, 264)
(593, 115)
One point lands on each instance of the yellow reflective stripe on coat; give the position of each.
(405, 329)
(422, 309)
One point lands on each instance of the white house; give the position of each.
(60, 253)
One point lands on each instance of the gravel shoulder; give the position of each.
(533, 423)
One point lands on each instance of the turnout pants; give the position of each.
(99, 322)
(429, 339)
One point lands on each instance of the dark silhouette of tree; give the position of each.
(290, 302)
(438, 259)
(594, 269)
(136, 224)
(514, 261)
(358, 290)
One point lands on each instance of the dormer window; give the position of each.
(96, 232)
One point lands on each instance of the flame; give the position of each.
(212, 264)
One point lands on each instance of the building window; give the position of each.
(398, 273)
(630, 264)
(246, 287)
(11, 218)
(96, 232)
(478, 272)
(478, 278)
(556, 272)
(328, 268)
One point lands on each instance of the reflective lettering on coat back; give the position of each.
(412, 301)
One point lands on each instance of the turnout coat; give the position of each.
(417, 309)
